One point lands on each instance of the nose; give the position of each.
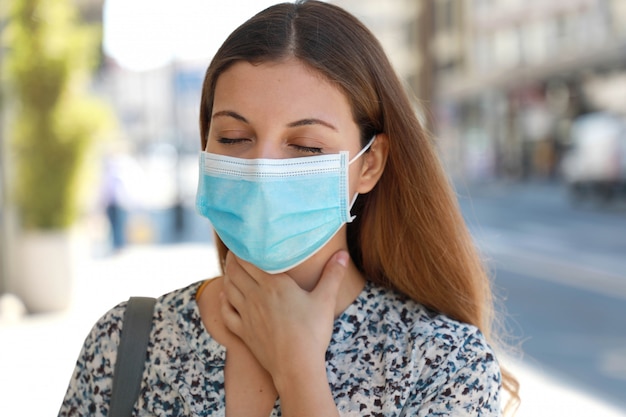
(267, 148)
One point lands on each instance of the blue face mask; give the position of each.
(275, 213)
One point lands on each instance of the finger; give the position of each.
(232, 293)
(230, 316)
(334, 271)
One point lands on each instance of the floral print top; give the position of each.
(388, 356)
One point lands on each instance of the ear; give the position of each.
(374, 162)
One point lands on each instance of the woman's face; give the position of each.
(281, 110)
(285, 109)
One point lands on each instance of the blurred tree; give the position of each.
(48, 61)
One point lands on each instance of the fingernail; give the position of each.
(342, 258)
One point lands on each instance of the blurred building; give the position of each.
(510, 75)
(501, 80)
(157, 111)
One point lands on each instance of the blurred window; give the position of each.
(507, 47)
(444, 14)
(618, 17)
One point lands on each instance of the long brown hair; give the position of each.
(408, 234)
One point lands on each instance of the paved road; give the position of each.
(561, 272)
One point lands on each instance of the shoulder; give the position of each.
(447, 361)
(397, 315)
(177, 302)
(89, 389)
(174, 302)
(427, 338)
(105, 334)
(430, 362)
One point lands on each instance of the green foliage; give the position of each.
(48, 59)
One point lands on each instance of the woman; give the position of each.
(350, 284)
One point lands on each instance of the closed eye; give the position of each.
(232, 141)
(308, 149)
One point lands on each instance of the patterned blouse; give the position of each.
(388, 357)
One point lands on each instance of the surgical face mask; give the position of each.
(275, 213)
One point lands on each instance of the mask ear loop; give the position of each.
(357, 156)
(362, 151)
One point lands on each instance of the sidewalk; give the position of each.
(37, 354)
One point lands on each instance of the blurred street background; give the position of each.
(526, 100)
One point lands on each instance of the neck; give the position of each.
(308, 275)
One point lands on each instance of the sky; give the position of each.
(145, 34)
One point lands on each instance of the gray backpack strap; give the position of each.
(131, 355)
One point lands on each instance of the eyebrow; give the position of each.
(312, 121)
(303, 122)
(229, 113)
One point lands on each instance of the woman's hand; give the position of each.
(287, 328)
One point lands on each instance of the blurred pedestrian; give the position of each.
(121, 193)
(350, 284)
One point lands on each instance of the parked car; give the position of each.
(594, 167)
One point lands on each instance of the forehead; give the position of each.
(290, 68)
(290, 83)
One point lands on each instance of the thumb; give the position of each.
(332, 276)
